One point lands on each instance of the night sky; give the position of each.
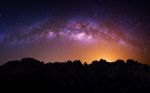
(62, 30)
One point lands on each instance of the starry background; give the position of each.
(61, 30)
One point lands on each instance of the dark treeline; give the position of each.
(30, 75)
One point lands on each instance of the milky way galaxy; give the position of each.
(105, 31)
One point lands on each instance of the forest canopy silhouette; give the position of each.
(30, 74)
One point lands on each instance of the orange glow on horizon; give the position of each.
(87, 53)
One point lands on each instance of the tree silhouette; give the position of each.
(31, 75)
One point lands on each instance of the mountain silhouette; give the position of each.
(31, 75)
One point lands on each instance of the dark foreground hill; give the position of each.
(31, 76)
